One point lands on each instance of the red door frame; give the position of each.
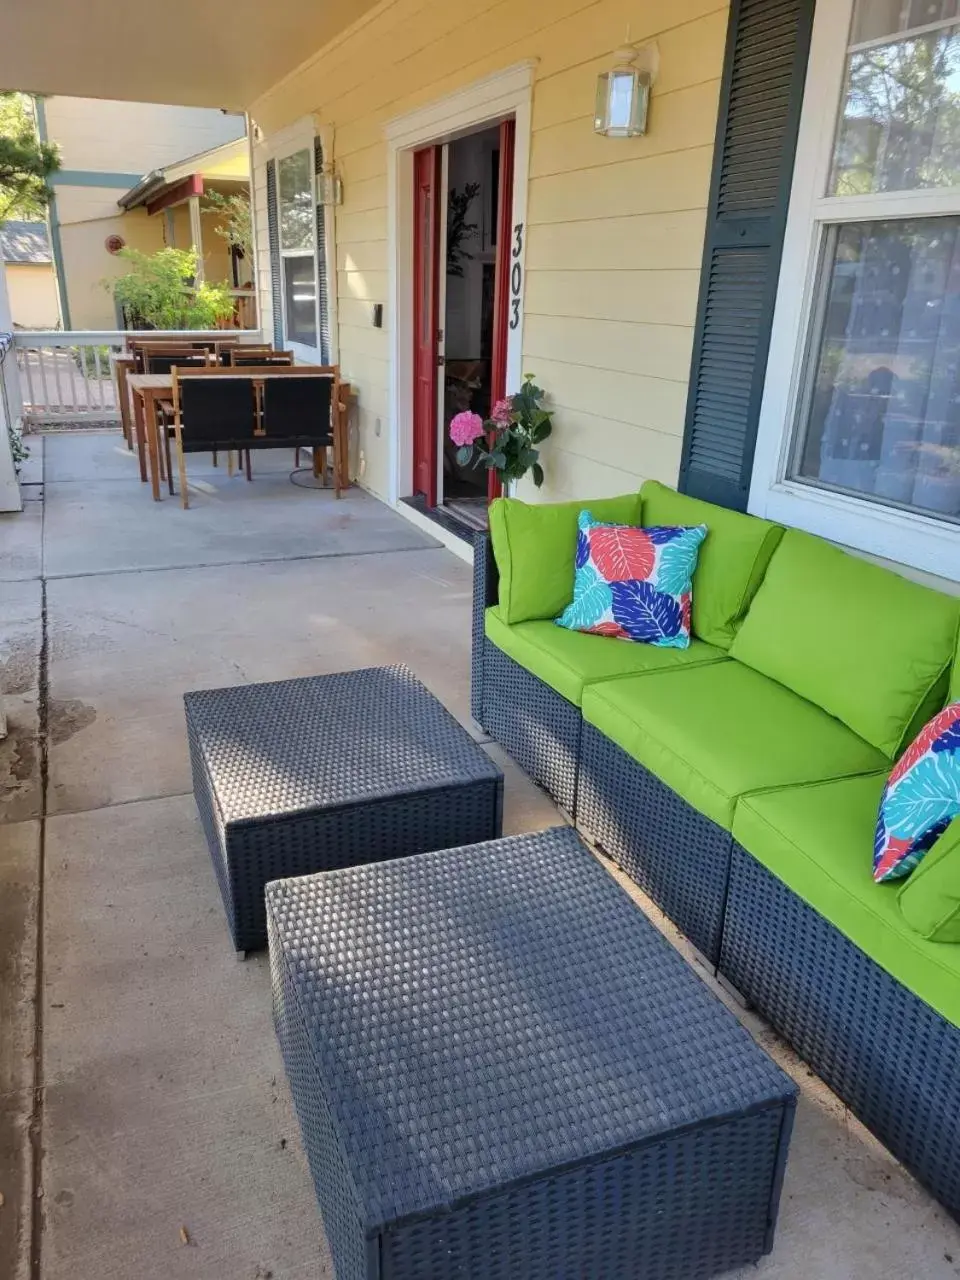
(501, 297)
(427, 171)
(426, 296)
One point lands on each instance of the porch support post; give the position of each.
(11, 406)
(196, 232)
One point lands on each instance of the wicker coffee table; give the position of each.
(328, 771)
(503, 1071)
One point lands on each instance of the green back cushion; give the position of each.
(732, 560)
(868, 646)
(930, 898)
(954, 695)
(535, 545)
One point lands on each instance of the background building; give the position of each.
(31, 282)
(107, 149)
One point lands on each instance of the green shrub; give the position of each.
(160, 292)
(86, 358)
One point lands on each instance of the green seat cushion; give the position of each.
(929, 900)
(569, 660)
(868, 646)
(819, 841)
(732, 560)
(716, 732)
(535, 545)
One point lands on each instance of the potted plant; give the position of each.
(507, 442)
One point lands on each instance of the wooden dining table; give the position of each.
(123, 364)
(147, 390)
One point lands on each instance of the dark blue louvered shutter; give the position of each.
(276, 264)
(322, 288)
(768, 42)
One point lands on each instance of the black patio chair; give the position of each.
(143, 350)
(165, 361)
(258, 357)
(301, 409)
(211, 410)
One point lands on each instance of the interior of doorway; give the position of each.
(468, 292)
(464, 195)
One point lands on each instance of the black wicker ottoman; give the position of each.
(502, 1071)
(328, 771)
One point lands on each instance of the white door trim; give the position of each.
(507, 93)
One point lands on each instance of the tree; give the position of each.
(25, 162)
(160, 292)
(236, 226)
(901, 124)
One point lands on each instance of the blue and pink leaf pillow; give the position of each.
(921, 798)
(634, 584)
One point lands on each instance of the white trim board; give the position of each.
(463, 109)
(507, 93)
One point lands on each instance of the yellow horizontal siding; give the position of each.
(655, 350)
(641, 452)
(650, 184)
(362, 255)
(356, 313)
(614, 227)
(574, 476)
(684, 119)
(643, 242)
(634, 398)
(634, 297)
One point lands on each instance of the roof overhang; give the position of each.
(228, 164)
(199, 53)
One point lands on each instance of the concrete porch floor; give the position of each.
(146, 1131)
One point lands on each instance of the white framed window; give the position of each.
(298, 240)
(297, 220)
(859, 434)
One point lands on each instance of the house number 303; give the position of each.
(516, 276)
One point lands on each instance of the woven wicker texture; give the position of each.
(694, 1205)
(486, 583)
(487, 1014)
(248, 794)
(675, 854)
(888, 1055)
(539, 728)
(290, 745)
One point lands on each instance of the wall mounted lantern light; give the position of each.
(329, 186)
(623, 96)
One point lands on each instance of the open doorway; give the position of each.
(463, 192)
(472, 198)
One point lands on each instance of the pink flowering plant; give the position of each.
(507, 442)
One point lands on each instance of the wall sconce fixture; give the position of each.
(623, 94)
(329, 186)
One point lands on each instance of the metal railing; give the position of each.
(67, 376)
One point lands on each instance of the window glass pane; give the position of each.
(874, 19)
(882, 406)
(900, 124)
(300, 298)
(295, 192)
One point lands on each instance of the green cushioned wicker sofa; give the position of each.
(737, 782)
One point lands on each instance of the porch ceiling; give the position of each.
(189, 52)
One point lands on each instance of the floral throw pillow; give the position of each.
(634, 584)
(921, 798)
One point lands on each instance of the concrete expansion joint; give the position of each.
(35, 1128)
